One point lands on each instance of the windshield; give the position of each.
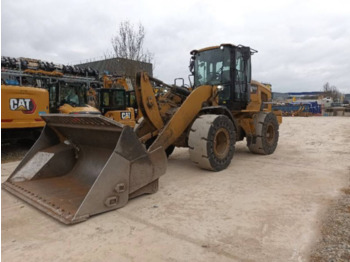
(113, 98)
(72, 93)
(212, 67)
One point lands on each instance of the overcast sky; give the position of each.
(301, 44)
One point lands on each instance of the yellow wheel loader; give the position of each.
(117, 100)
(84, 165)
(119, 105)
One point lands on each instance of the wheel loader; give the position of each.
(117, 100)
(83, 165)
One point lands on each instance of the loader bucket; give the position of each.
(83, 165)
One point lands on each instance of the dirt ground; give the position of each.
(261, 208)
(14, 152)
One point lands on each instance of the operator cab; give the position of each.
(114, 99)
(228, 66)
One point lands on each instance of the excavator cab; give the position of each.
(69, 97)
(228, 67)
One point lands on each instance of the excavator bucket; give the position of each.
(83, 165)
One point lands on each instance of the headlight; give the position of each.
(220, 88)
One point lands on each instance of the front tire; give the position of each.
(212, 142)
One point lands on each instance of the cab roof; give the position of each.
(195, 51)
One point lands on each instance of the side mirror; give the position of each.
(193, 58)
(191, 67)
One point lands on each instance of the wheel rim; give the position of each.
(270, 134)
(221, 143)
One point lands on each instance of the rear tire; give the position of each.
(266, 139)
(212, 142)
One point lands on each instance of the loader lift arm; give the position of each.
(182, 116)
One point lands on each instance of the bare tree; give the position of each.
(331, 91)
(128, 44)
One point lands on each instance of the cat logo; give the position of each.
(26, 105)
(125, 115)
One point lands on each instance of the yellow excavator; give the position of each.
(70, 97)
(83, 165)
(67, 93)
(21, 110)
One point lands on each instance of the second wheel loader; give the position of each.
(84, 165)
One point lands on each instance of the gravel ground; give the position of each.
(334, 231)
(14, 152)
(334, 245)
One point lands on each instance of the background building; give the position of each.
(347, 98)
(119, 66)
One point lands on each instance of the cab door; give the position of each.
(241, 77)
